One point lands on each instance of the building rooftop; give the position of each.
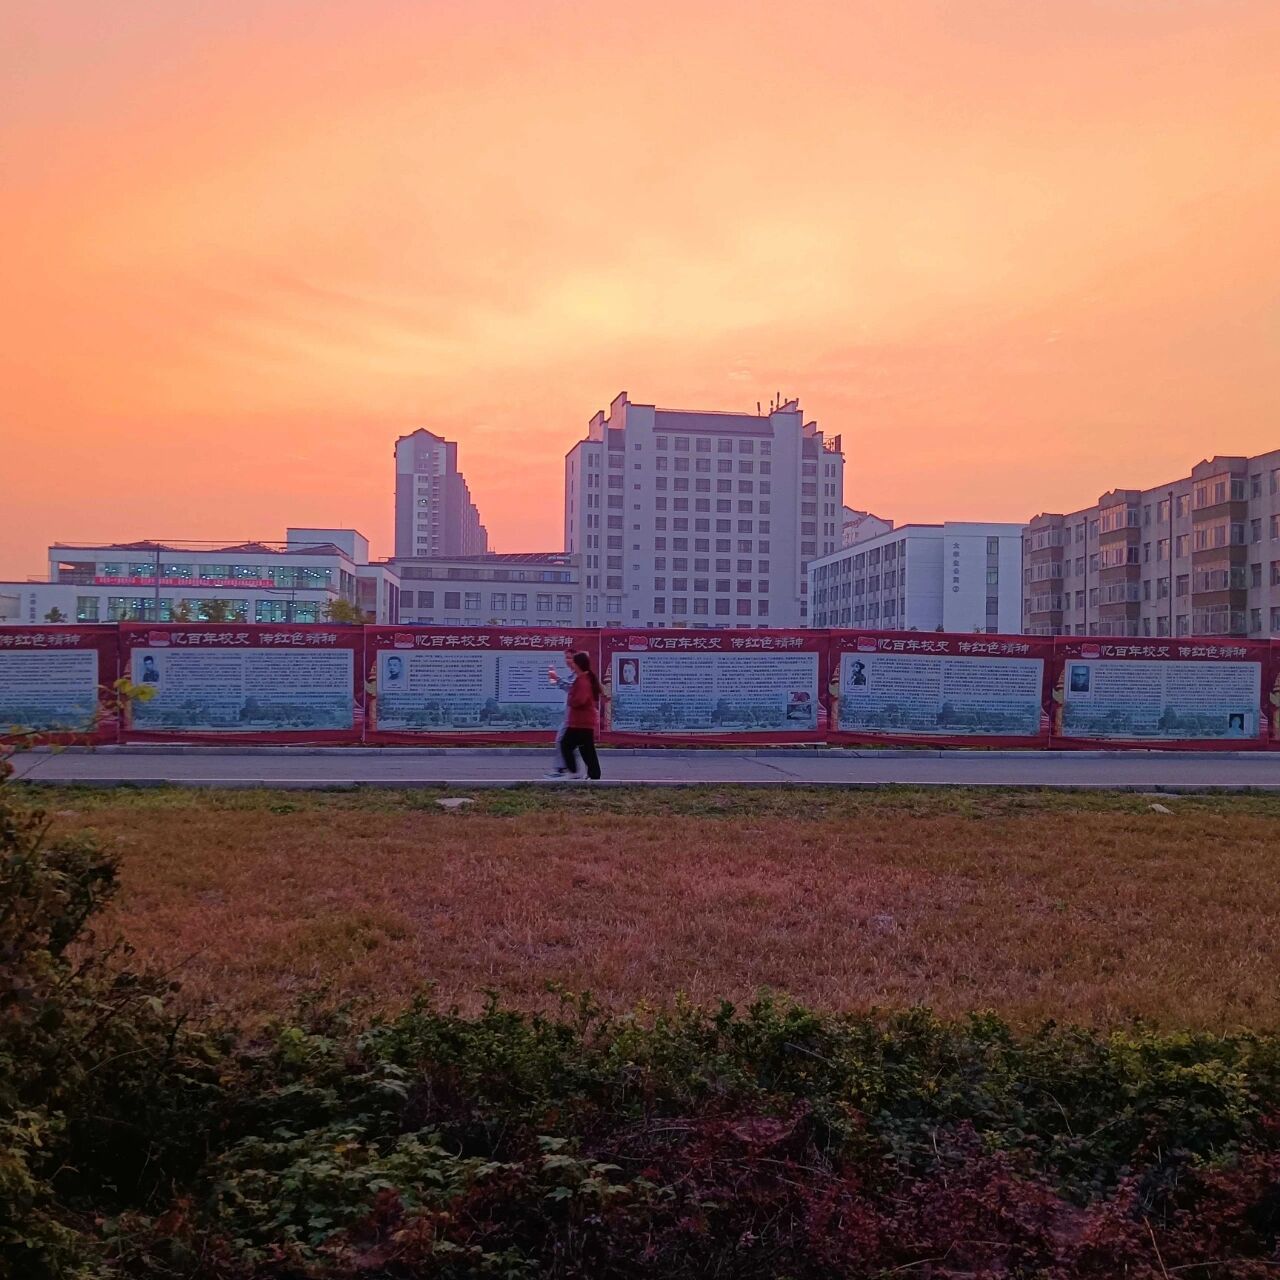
(493, 557)
(200, 548)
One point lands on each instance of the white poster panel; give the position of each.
(48, 689)
(465, 689)
(713, 692)
(1137, 698)
(245, 690)
(940, 694)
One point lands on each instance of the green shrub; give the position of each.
(762, 1142)
(99, 1105)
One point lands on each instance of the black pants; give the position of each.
(583, 740)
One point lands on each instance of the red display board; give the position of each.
(468, 686)
(940, 689)
(1273, 696)
(236, 682)
(685, 688)
(58, 682)
(1188, 693)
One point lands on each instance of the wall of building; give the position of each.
(260, 582)
(520, 590)
(434, 511)
(30, 603)
(700, 519)
(859, 525)
(1197, 556)
(959, 576)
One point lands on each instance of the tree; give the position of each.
(343, 611)
(216, 611)
(181, 611)
(56, 615)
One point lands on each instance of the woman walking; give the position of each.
(583, 720)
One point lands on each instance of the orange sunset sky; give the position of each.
(1016, 252)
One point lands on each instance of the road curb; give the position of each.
(509, 784)
(817, 752)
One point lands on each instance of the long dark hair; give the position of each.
(583, 662)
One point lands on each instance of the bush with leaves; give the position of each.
(753, 1143)
(102, 1090)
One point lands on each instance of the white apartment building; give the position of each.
(691, 519)
(526, 589)
(956, 576)
(434, 512)
(292, 581)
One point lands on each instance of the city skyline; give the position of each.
(1012, 259)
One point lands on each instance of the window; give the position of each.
(519, 602)
(472, 601)
(659, 605)
(498, 602)
(744, 608)
(86, 608)
(722, 608)
(270, 611)
(453, 600)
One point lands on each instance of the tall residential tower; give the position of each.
(693, 519)
(434, 512)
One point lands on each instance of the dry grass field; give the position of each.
(1081, 908)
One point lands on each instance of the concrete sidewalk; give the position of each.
(347, 767)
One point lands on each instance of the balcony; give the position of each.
(1219, 621)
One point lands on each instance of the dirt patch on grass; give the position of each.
(1085, 908)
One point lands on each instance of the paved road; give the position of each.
(308, 767)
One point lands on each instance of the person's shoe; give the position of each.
(557, 775)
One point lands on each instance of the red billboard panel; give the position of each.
(682, 687)
(469, 686)
(57, 684)
(1273, 696)
(237, 682)
(1188, 693)
(940, 689)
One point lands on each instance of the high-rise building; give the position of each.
(435, 515)
(1199, 556)
(692, 519)
(958, 576)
